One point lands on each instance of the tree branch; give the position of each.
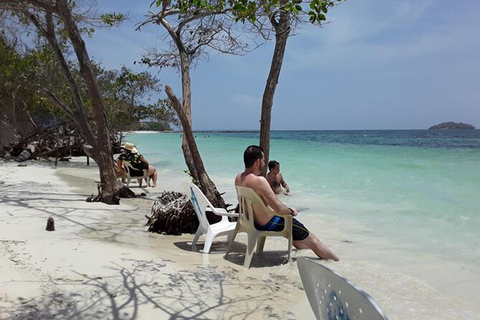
(50, 96)
(200, 16)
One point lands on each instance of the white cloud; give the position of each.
(246, 101)
(393, 35)
(410, 11)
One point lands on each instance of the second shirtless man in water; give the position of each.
(275, 178)
(302, 239)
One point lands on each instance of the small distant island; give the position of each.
(451, 125)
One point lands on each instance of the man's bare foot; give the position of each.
(328, 254)
(321, 250)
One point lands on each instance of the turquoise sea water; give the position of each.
(416, 189)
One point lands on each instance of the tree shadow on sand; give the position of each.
(149, 289)
(267, 258)
(67, 210)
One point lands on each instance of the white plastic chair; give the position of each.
(201, 204)
(334, 297)
(247, 198)
(127, 167)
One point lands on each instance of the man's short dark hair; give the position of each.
(272, 164)
(252, 154)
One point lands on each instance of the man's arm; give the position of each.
(284, 184)
(143, 160)
(119, 163)
(263, 187)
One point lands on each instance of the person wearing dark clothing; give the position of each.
(131, 154)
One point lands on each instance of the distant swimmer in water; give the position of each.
(275, 178)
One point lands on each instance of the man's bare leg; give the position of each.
(312, 242)
(152, 173)
(299, 245)
(120, 174)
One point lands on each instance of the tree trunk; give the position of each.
(207, 186)
(282, 31)
(186, 93)
(102, 145)
(14, 107)
(187, 108)
(192, 156)
(100, 141)
(193, 160)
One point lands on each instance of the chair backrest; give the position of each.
(88, 149)
(247, 198)
(129, 169)
(334, 297)
(199, 202)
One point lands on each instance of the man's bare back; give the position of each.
(260, 185)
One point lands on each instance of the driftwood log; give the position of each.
(122, 192)
(61, 141)
(172, 214)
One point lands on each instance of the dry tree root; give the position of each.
(172, 214)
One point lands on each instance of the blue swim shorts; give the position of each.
(277, 223)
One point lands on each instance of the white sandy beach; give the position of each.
(101, 263)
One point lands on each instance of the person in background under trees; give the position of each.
(131, 154)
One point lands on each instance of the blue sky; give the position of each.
(378, 64)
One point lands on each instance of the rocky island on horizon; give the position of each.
(451, 125)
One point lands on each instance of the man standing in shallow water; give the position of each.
(251, 178)
(275, 178)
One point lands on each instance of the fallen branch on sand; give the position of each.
(122, 192)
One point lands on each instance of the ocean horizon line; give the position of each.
(292, 130)
(451, 138)
(319, 130)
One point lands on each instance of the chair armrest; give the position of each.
(288, 220)
(222, 212)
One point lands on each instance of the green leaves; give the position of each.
(20, 73)
(246, 10)
(112, 19)
(319, 9)
(88, 31)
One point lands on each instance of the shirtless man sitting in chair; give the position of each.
(251, 178)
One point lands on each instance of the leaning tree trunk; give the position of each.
(103, 147)
(186, 106)
(207, 186)
(192, 156)
(100, 142)
(282, 31)
(186, 92)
